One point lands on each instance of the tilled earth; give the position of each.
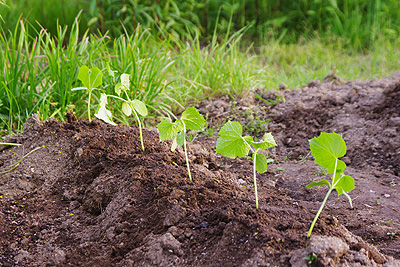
(91, 197)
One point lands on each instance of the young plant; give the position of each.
(129, 106)
(232, 144)
(91, 78)
(191, 119)
(327, 149)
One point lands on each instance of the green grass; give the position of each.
(40, 69)
(358, 22)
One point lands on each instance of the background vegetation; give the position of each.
(179, 52)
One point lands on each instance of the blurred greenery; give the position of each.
(180, 52)
(357, 22)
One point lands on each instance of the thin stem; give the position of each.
(88, 108)
(319, 212)
(9, 144)
(140, 127)
(15, 165)
(255, 178)
(186, 155)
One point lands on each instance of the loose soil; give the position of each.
(91, 197)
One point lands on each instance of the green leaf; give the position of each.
(261, 162)
(140, 107)
(126, 109)
(167, 130)
(322, 182)
(180, 138)
(174, 145)
(91, 78)
(118, 88)
(123, 85)
(102, 112)
(231, 143)
(345, 184)
(193, 119)
(125, 80)
(267, 142)
(326, 149)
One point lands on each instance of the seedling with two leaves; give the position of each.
(327, 149)
(129, 106)
(191, 119)
(232, 144)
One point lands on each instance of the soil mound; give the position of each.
(91, 197)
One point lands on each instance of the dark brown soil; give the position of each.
(91, 197)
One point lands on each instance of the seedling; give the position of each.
(91, 78)
(310, 258)
(129, 106)
(327, 149)
(191, 119)
(232, 144)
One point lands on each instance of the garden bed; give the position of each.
(91, 197)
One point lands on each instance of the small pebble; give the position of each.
(241, 181)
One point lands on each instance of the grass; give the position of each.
(40, 69)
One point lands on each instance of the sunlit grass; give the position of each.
(38, 73)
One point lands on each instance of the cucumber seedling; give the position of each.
(327, 149)
(232, 144)
(91, 78)
(191, 119)
(129, 106)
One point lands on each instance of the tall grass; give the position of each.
(357, 22)
(39, 69)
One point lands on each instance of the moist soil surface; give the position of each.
(89, 196)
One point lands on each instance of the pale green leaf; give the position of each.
(326, 149)
(102, 112)
(125, 80)
(344, 184)
(91, 78)
(83, 75)
(193, 119)
(118, 88)
(322, 182)
(231, 143)
(126, 109)
(267, 142)
(167, 130)
(174, 144)
(140, 107)
(261, 162)
(180, 138)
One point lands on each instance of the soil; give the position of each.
(91, 197)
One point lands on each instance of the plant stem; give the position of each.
(15, 165)
(186, 155)
(255, 178)
(88, 107)
(9, 144)
(140, 127)
(319, 211)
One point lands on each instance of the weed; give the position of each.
(310, 258)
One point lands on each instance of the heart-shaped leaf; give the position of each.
(231, 144)
(91, 78)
